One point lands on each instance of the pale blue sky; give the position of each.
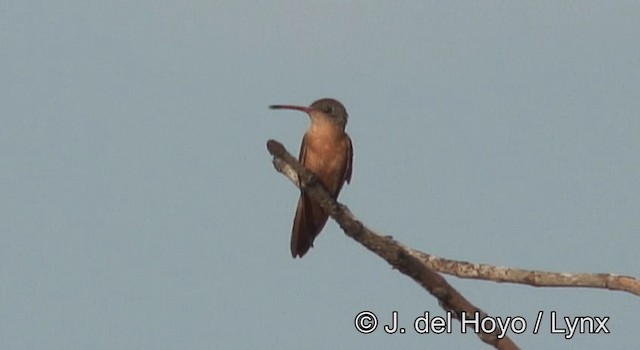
(140, 209)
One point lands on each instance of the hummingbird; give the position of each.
(326, 150)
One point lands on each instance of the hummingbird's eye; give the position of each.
(328, 109)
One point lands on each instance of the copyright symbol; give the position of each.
(366, 322)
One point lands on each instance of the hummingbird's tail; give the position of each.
(309, 220)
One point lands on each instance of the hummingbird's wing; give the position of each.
(302, 154)
(347, 170)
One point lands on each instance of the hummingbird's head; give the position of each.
(333, 109)
(326, 109)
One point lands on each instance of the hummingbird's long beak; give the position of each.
(297, 108)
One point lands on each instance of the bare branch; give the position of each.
(398, 256)
(463, 269)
